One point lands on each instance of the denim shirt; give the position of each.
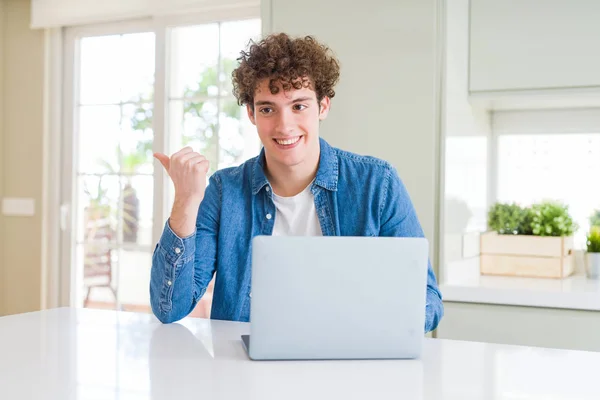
(354, 196)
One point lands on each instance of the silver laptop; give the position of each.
(337, 298)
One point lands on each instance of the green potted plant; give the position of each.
(593, 253)
(551, 218)
(534, 241)
(507, 219)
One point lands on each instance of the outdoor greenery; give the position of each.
(199, 105)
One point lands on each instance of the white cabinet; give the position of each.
(534, 45)
(527, 326)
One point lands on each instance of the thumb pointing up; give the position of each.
(164, 160)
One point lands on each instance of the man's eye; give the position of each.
(266, 110)
(299, 107)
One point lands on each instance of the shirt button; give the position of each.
(268, 189)
(169, 283)
(177, 250)
(269, 216)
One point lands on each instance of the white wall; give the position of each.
(466, 134)
(21, 161)
(2, 312)
(386, 102)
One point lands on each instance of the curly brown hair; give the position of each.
(293, 62)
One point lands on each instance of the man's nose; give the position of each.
(285, 122)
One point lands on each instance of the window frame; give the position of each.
(560, 121)
(68, 135)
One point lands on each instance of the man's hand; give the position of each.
(187, 170)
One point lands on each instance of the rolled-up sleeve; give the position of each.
(183, 267)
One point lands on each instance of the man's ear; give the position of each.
(324, 106)
(250, 110)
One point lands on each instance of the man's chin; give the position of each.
(291, 162)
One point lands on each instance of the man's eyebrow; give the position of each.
(270, 103)
(265, 103)
(300, 99)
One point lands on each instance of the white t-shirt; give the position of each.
(296, 215)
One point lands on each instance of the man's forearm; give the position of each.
(183, 217)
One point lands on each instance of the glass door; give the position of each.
(139, 88)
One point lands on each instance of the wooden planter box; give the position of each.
(528, 256)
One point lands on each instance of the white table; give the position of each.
(90, 354)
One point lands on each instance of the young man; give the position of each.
(298, 185)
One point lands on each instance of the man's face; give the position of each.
(288, 123)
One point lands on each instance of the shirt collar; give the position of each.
(327, 173)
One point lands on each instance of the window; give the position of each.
(113, 166)
(521, 156)
(119, 201)
(203, 113)
(564, 167)
(465, 176)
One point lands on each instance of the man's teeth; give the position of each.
(288, 141)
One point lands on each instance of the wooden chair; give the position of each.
(98, 258)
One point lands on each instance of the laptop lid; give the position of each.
(337, 297)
